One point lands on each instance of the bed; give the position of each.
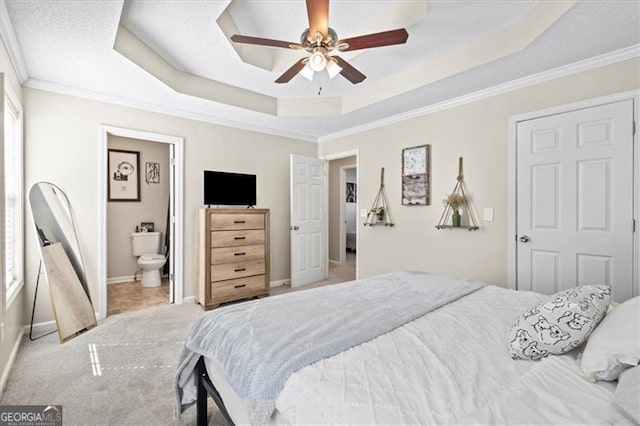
(450, 365)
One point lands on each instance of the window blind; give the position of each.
(12, 169)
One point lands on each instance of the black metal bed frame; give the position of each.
(205, 389)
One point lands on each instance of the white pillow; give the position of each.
(615, 344)
(626, 399)
(560, 323)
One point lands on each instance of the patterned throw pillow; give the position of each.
(559, 324)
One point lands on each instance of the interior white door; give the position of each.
(171, 225)
(575, 200)
(308, 225)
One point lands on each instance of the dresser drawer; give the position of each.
(237, 270)
(237, 238)
(238, 286)
(227, 222)
(223, 255)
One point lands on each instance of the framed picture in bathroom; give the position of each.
(147, 227)
(124, 175)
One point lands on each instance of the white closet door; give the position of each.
(575, 200)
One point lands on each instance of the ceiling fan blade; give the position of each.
(348, 71)
(265, 42)
(385, 38)
(292, 72)
(318, 13)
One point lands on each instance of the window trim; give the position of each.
(12, 289)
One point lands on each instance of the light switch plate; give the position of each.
(363, 213)
(487, 215)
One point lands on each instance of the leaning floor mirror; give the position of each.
(62, 260)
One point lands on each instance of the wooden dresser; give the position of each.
(232, 255)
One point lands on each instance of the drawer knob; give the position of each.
(239, 254)
(239, 286)
(239, 221)
(240, 269)
(239, 238)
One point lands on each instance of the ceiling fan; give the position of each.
(321, 41)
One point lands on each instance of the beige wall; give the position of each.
(123, 217)
(63, 147)
(10, 316)
(336, 199)
(479, 133)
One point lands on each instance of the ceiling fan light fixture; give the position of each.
(307, 72)
(333, 69)
(317, 61)
(320, 40)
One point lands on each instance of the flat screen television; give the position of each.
(230, 189)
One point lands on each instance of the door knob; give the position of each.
(524, 239)
(294, 227)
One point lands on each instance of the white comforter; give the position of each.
(449, 366)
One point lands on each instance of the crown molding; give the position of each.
(11, 42)
(162, 109)
(609, 58)
(620, 55)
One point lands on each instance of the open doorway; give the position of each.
(140, 229)
(343, 211)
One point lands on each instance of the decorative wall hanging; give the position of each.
(454, 202)
(379, 213)
(124, 175)
(152, 172)
(352, 196)
(416, 176)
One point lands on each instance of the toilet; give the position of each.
(146, 245)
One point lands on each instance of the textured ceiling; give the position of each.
(70, 43)
(189, 38)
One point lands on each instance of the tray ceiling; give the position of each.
(454, 48)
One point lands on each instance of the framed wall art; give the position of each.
(147, 227)
(351, 193)
(416, 176)
(152, 172)
(124, 175)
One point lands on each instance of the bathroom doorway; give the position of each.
(142, 223)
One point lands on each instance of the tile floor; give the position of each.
(132, 296)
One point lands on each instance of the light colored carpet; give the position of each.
(337, 274)
(138, 355)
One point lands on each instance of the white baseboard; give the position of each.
(189, 299)
(42, 327)
(9, 366)
(116, 280)
(335, 262)
(129, 278)
(279, 283)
